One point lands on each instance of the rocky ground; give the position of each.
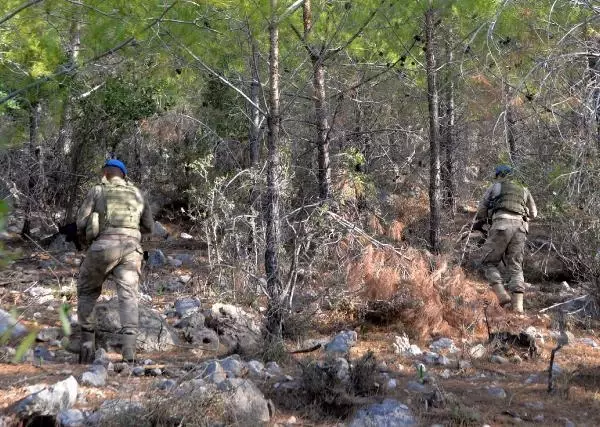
(202, 360)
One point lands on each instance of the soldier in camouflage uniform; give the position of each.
(111, 217)
(510, 206)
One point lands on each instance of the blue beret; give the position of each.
(503, 170)
(117, 164)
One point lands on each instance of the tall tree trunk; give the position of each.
(434, 138)
(274, 285)
(36, 169)
(448, 143)
(65, 132)
(509, 125)
(322, 128)
(254, 130)
(318, 81)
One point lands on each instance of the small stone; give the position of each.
(556, 368)
(589, 341)
(96, 377)
(255, 369)
(402, 346)
(71, 418)
(186, 236)
(516, 359)
(342, 342)
(539, 418)
(186, 259)
(138, 371)
(391, 384)
(273, 369)
(167, 385)
(49, 334)
(43, 353)
(156, 372)
(445, 374)
(416, 387)
(535, 405)
(49, 400)
(148, 362)
(175, 262)
(532, 379)
(291, 420)
(443, 344)
(464, 364)
(233, 367)
(498, 359)
(187, 306)
(497, 392)
(478, 351)
(388, 413)
(443, 361)
(156, 258)
(430, 358)
(184, 278)
(101, 357)
(159, 230)
(567, 422)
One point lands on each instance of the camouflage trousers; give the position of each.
(121, 256)
(506, 240)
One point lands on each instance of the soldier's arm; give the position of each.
(146, 220)
(530, 203)
(86, 208)
(482, 209)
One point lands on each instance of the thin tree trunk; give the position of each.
(509, 126)
(36, 169)
(65, 132)
(254, 113)
(319, 97)
(448, 178)
(434, 142)
(322, 129)
(274, 285)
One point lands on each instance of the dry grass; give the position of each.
(332, 396)
(428, 297)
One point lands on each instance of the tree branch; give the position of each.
(19, 9)
(217, 75)
(67, 69)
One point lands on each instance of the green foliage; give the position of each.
(126, 101)
(24, 346)
(63, 316)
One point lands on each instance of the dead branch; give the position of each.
(562, 303)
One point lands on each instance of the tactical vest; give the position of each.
(123, 209)
(511, 198)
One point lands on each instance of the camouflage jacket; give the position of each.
(95, 202)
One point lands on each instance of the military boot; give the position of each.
(503, 297)
(87, 349)
(517, 302)
(128, 342)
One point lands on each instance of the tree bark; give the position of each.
(319, 97)
(434, 139)
(36, 169)
(65, 132)
(509, 126)
(448, 142)
(254, 130)
(274, 285)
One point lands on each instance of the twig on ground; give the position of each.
(551, 370)
(562, 303)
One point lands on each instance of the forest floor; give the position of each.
(575, 400)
